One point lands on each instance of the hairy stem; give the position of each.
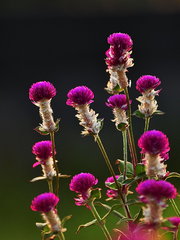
(108, 163)
(54, 161)
(99, 221)
(50, 185)
(131, 135)
(175, 207)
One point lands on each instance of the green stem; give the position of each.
(61, 236)
(124, 134)
(175, 207)
(108, 163)
(135, 160)
(54, 161)
(99, 220)
(146, 125)
(175, 237)
(50, 185)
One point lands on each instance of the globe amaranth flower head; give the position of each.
(41, 90)
(82, 182)
(44, 202)
(118, 101)
(158, 190)
(147, 82)
(79, 96)
(42, 150)
(120, 45)
(154, 142)
(175, 221)
(111, 193)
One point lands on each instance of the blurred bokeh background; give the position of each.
(64, 42)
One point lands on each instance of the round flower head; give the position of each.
(79, 96)
(41, 90)
(118, 101)
(120, 43)
(42, 150)
(147, 82)
(44, 202)
(154, 142)
(175, 221)
(82, 182)
(156, 190)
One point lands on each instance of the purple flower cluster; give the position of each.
(118, 101)
(120, 45)
(156, 190)
(42, 150)
(41, 90)
(154, 142)
(79, 96)
(44, 202)
(147, 82)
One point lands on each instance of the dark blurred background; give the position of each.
(64, 42)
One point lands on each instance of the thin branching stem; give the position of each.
(175, 207)
(99, 221)
(124, 134)
(61, 236)
(146, 125)
(111, 170)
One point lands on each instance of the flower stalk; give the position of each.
(124, 134)
(99, 220)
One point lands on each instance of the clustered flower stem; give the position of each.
(99, 220)
(124, 134)
(106, 158)
(54, 161)
(131, 135)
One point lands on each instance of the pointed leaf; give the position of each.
(40, 178)
(138, 216)
(158, 112)
(41, 225)
(40, 130)
(65, 219)
(121, 166)
(173, 175)
(121, 126)
(138, 114)
(93, 222)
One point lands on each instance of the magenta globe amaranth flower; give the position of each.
(119, 105)
(118, 101)
(82, 183)
(42, 150)
(41, 90)
(155, 145)
(118, 60)
(41, 94)
(154, 142)
(156, 189)
(147, 82)
(154, 194)
(121, 43)
(79, 96)
(43, 153)
(111, 193)
(44, 202)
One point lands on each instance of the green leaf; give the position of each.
(121, 126)
(117, 89)
(124, 220)
(138, 114)
(40, 178)
(65, 219)
(41, 130)
(121, 166)
(140, 169)
(173, 175)
(111, 185)
(95, 194)
(93, 222)
(101, 121)
(158, 112)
